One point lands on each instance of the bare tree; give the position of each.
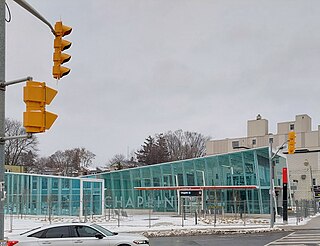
(185, 145)
(16, 149)
(40, 165)
(71, 161)
(59, 161)
(119, 161)
(86, 157)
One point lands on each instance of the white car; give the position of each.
(75, 234)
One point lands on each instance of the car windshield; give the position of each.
(30, 230)
(103, 230)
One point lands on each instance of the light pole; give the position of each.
(306, 164)
(271, 183)
(2, 115)
(271, 167)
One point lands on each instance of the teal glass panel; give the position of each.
(44, 185)
(226, 170)
(189, 172)
(126, 194)
(249, 170)
(66, 183)
(200, 173)
(146, 177)
(75, 184)
(55, 183)
(156, 175)
(237, 171)
(168, 179)
(138, 195)
(213, 173)
(178, 173)
(264, 170)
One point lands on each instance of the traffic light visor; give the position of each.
(50, 119)
(61, 57)
(62, 30)
(61, 44)
(60, 71)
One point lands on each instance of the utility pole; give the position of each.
(271, 183)
(2, 112)
(63, 30)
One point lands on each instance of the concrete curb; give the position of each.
(209, 231)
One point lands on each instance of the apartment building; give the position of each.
(303, 165)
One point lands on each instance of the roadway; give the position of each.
(257, 239)
(308, 234)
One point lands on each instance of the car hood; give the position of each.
(130, 236)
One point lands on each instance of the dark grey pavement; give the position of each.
(307, 234)
(255, 239)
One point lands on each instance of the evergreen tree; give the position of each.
(153, 151)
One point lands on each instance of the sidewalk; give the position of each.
(312, 224)
(166, 225)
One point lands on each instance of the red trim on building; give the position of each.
(224, 187)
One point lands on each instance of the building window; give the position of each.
(235, 144)
(291, 127)
(254, 141)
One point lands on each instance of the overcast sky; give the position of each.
(141, 67)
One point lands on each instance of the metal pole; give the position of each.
(285, 195)
(271, 184)
(312, 190)
(2, 110)
(31, 10)
(17, 81)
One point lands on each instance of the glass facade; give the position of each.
(243, 168)
(29, 194)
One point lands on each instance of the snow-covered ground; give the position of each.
(159, 225)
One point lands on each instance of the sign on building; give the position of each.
(316, 189)
(190, 192)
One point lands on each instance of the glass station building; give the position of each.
(31, 194)
(223, 182)
(221, 172)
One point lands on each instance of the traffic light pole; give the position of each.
(2, 114)
(271, 166)
(3, 85)
(271, 183)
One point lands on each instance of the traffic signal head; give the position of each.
(60, 45)
(291, 142)
(36, 95)
(62, 30)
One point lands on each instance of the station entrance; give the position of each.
(204, 199)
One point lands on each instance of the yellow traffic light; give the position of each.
(60, 45)
(291, 142)
(36, 95)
